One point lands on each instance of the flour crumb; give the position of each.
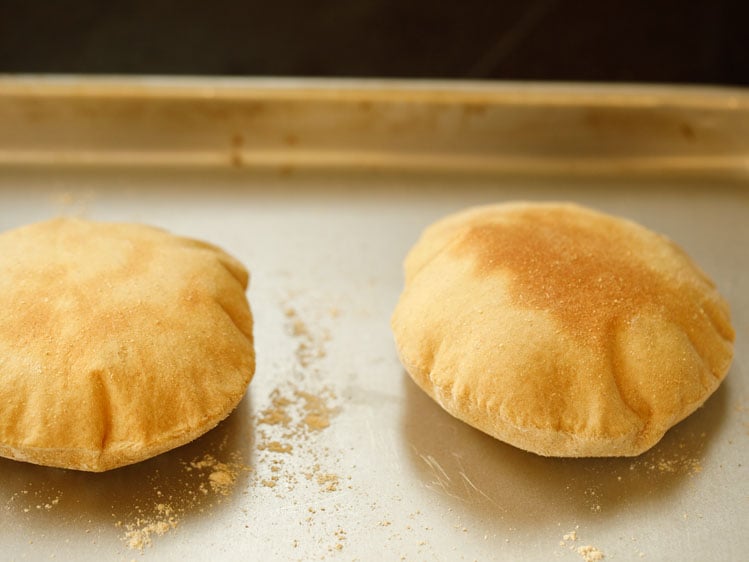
(222, 475)
(276, 447)
(138, 534)
(328, 482)
(571, 536)
(317, 412)
(590, 553)
(289, 428)
(276, 414)
(309, 346)
(202, 477)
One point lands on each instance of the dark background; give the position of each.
(667, 41)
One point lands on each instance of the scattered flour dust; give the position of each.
(328, 482)
(299, 410)
(31, 498)
(288, 438)
(681, 459)
(316, 411)
(221, 475)
(571, 536)
(588, 553)
(310, 343)
(138, 533)
(288, 431)
(202, 481)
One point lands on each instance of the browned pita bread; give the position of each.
(560, 330)
(117, 342)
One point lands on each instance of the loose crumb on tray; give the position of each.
(590, 553)
(203, 479)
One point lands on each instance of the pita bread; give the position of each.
(117, 342)
(560, 330)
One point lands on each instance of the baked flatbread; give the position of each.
(117, 342)
(560, 330)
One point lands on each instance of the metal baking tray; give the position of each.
(320, 188)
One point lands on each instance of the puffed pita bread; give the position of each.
(560, 330)
(117, 342)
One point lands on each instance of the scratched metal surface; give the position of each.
(393, 476)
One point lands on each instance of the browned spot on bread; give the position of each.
(589, 272)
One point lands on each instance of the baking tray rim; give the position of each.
(349, 89)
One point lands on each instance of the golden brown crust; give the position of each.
(117, 342)
(560, 330)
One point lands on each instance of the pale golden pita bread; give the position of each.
(117, 342)
(560, 330)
